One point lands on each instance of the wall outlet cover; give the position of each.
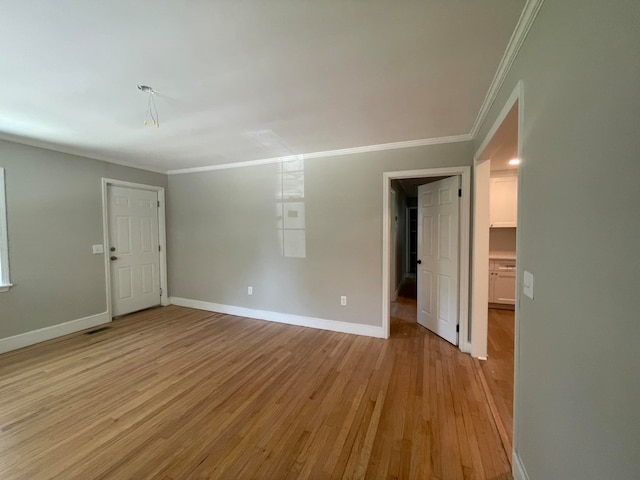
(98, 249)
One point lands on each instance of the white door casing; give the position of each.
(438, 257)
(133, 249)
(464, 173)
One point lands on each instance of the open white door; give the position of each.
(133, 249)
(438, 257)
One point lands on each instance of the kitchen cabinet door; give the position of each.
(504, 288)
(503, 201)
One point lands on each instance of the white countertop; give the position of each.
(502, 255)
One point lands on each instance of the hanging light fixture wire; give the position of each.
(152, 109)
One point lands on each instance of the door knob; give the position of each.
(113, 257)
(113, 249)
(419, 262)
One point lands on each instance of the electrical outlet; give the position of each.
(343, 300)
(250, 290)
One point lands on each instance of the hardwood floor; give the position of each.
(177, 393)
(498, 370)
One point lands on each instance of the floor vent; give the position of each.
(97, 330)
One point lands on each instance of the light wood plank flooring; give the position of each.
(498, 370)
(177, 393)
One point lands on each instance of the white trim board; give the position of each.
(34, 142)
(527, 17)
(517, 468)
(5, 283)
(289, 319)
(480, 295)
(54, 331)
(329, 153)
(465, 214)
(162, 236)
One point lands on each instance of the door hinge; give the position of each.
(158, 202)
(459, 192)
(159, 248)
(160, 291)
(457, 328)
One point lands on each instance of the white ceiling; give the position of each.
(503, 146)
(244, 80)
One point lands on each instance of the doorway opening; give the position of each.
(445, 208)
(497, 177)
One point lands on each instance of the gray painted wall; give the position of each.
(223, 236)
(578, 386)
(54, 215)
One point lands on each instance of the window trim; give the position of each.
(5, 284)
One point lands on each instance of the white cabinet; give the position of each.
(503, 201)
(502, 282)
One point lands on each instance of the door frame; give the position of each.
(465, 221)
(407, 262)
(481, 177)
(162, 236)
(480, 298)
(393, 273)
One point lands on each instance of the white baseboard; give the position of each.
(302, 321)
(54, 331)
(517, 468)
(465, 347)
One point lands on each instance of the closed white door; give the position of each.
(438, 257)
(134, 249)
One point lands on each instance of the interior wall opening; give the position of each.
(413, 294)
(405, 217)
(499, 164)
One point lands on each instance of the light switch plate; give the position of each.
(98, 249)
(527, 284)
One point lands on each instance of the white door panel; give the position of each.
(134, 249)
(438, 254)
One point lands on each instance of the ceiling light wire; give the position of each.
(152, 109)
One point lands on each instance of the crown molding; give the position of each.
(528, 15)
(329, 153)
(30, 142)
